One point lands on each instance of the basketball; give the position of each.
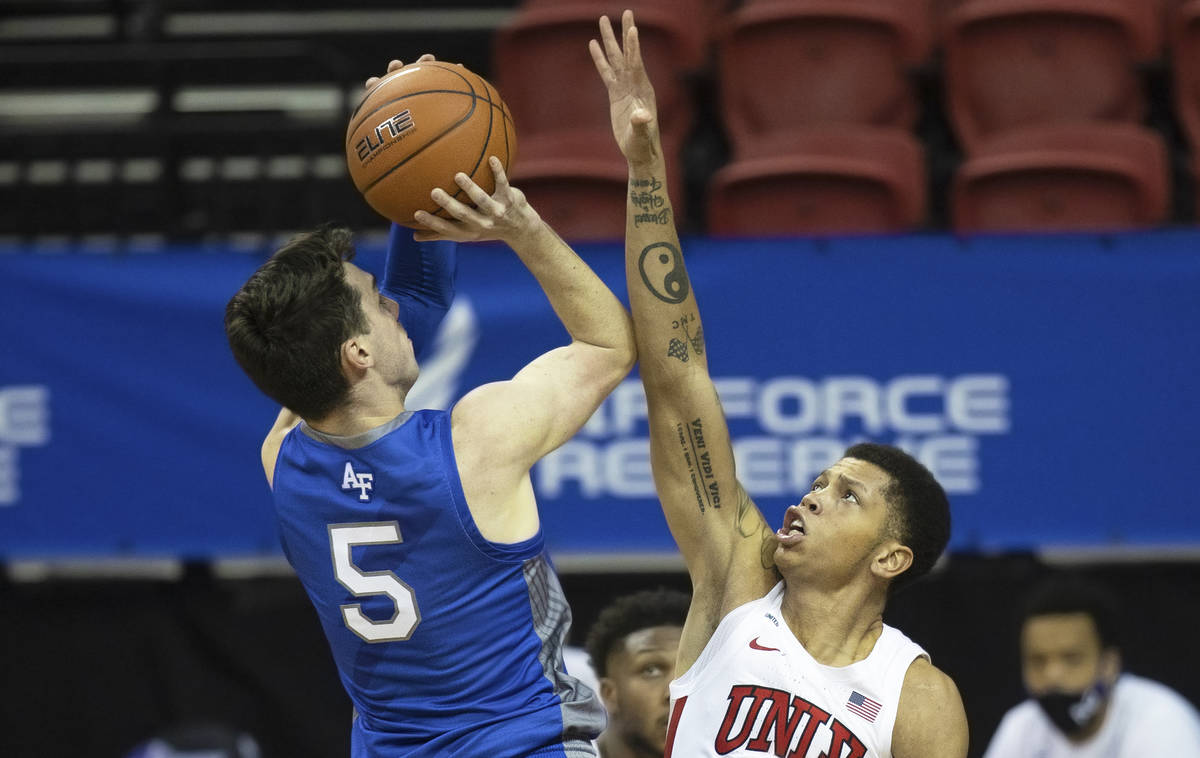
(418, 127)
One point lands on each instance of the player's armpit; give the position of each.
(930, 720)
(284, 423)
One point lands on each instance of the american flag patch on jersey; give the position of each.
(863, 706)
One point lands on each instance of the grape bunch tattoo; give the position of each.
(677, 349)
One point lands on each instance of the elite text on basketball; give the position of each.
(387, 130)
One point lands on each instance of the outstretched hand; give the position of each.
(630, 94)
(504, 215)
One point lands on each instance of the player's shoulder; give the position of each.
(926, 683)
(930, 720)
(1021, 727)
(1142, 688)
(272, 445)
(1153, 697)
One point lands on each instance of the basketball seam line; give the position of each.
(472, 95)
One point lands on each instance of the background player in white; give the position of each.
(1081, 705)
(864, 525)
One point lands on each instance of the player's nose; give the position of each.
(392, 306)
(811, 503)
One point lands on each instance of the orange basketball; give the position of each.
(418, 127)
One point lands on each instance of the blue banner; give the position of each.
(1047, 381)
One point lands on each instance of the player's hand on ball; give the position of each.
(630, 95)
(395, 65)
(504, 215)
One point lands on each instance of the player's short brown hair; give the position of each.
(287, 323)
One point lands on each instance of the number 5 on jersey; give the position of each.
(342, 539)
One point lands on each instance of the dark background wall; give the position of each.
(92, 667)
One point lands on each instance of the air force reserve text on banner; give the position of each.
(1031, 374)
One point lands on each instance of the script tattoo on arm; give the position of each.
(652, 206)
(699, 464)
(661, 267)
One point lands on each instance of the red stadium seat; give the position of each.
(1086, 176)
(1185, 65)
(1016, 63)
(848, 180)
(1195, 171)
(578, 182)
(785, 65)
(546, 76)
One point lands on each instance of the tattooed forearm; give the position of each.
(699, 464)
(648, 197)
(661, 267)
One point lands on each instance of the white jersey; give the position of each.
(1144, 719)
(756, 691)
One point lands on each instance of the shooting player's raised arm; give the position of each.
(501, 429)
(725, 542)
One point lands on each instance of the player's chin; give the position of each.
(782, 548)
(659, 742)
(787, 557)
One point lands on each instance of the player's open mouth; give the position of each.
(793, 529)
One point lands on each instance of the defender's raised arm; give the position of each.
(724, 539)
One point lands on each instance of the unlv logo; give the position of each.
(363, 481)
(790, 726)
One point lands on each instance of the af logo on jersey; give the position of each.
(363, 481)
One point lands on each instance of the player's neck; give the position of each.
(365, 411)
(612, 745)
(837, 627)
(1094, 728)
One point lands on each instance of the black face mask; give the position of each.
(1074, 712)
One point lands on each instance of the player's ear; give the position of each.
(1110, 664)
(891, 560)
(608, 693)
(356, 355)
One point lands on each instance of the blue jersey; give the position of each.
(447, 644)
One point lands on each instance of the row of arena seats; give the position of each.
(816, 97)
(816, 112)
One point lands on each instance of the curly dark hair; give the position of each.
(287, 323)
(920, 510)
(628, 614)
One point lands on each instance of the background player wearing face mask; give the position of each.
(1081, 705)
